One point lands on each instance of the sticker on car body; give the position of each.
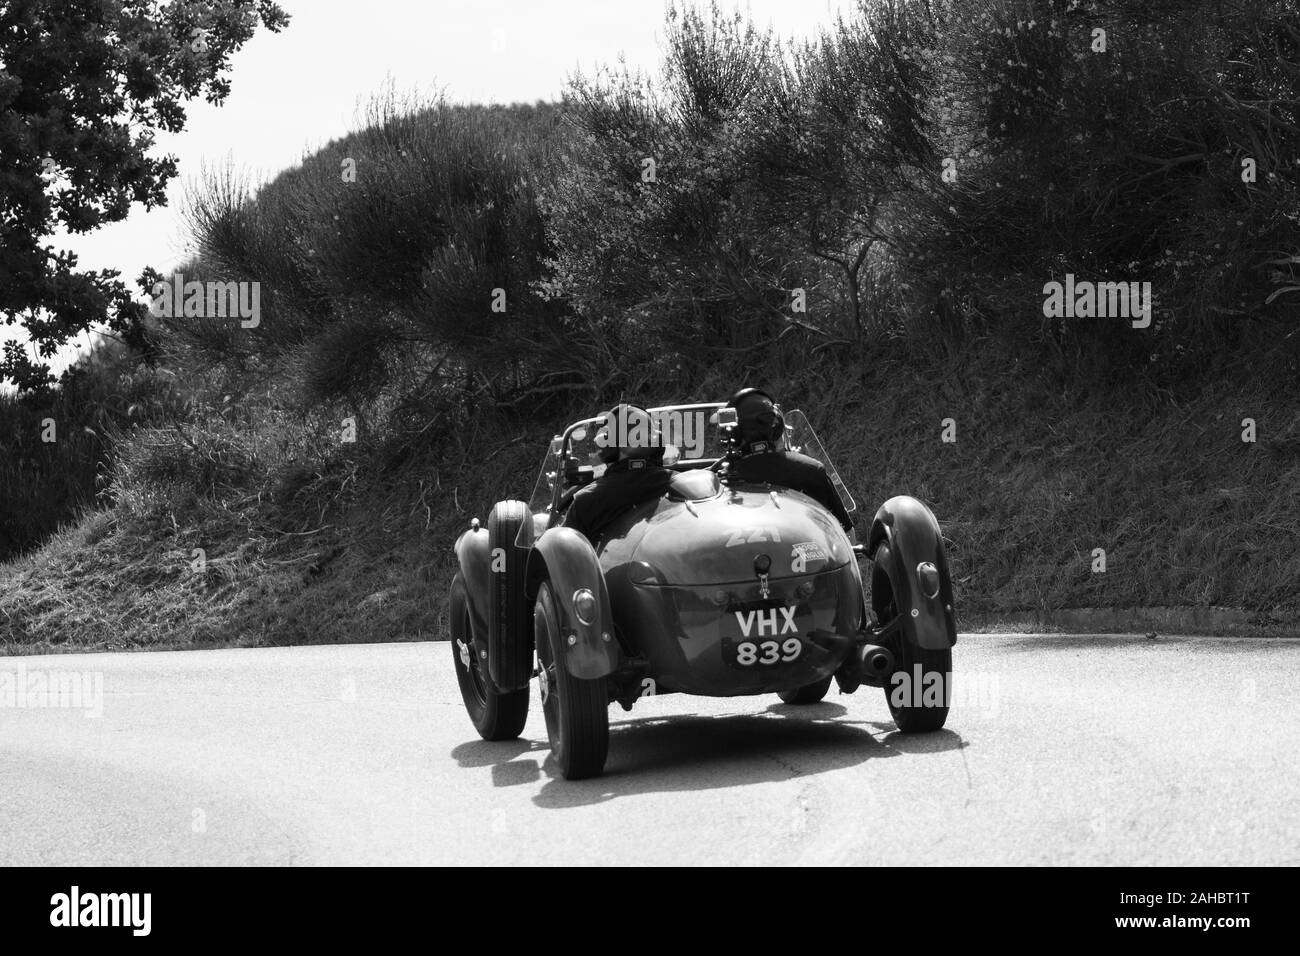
(803, 553)
(752, 536)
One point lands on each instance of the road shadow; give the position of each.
(1076, 642)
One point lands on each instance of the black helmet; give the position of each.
(629, 431)
(759, 422)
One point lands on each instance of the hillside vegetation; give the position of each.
(863, 224)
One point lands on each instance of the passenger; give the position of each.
(763, 457)
(633, 450)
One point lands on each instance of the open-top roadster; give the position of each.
(720, 588)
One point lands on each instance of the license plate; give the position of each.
(761, 637)
(760, 652)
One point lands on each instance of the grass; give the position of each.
(306, 543)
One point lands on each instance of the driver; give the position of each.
(633, 450)
(760, 437)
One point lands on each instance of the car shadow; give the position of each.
(704, 752)
(681, 752)
(487, 753)
(937, 742)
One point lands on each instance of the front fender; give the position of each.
(913, 536)
(567, 560)
(472, 555)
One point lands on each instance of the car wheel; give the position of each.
(906, 701)
(807, 694)
(577, 711)
(496, 716)
(510, 643)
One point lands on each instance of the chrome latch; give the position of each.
(762, 565)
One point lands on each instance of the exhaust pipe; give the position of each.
(869, 664)
(874, 664)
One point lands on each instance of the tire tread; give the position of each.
(510, 643)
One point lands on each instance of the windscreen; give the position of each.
(801, 438)
(539, 505)
(583, 447)
(577, 448)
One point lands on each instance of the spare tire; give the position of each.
(510, 617)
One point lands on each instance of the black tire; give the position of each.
(577, 711)
(510, 639)
(910, 718)
(807, 694)
(496, 716)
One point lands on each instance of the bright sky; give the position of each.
(296, 90)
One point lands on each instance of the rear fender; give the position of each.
(567, 560)
(913, 536)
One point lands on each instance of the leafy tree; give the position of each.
(409, 285)
(776, 171)
(659, 241)
(847, 144)
(84, 87)
(1110, 139)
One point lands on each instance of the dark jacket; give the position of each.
(624, 485)
(797, 472)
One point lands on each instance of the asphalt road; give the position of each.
(1060, 749)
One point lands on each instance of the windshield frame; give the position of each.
(798, 427)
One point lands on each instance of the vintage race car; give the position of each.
(719, 588)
